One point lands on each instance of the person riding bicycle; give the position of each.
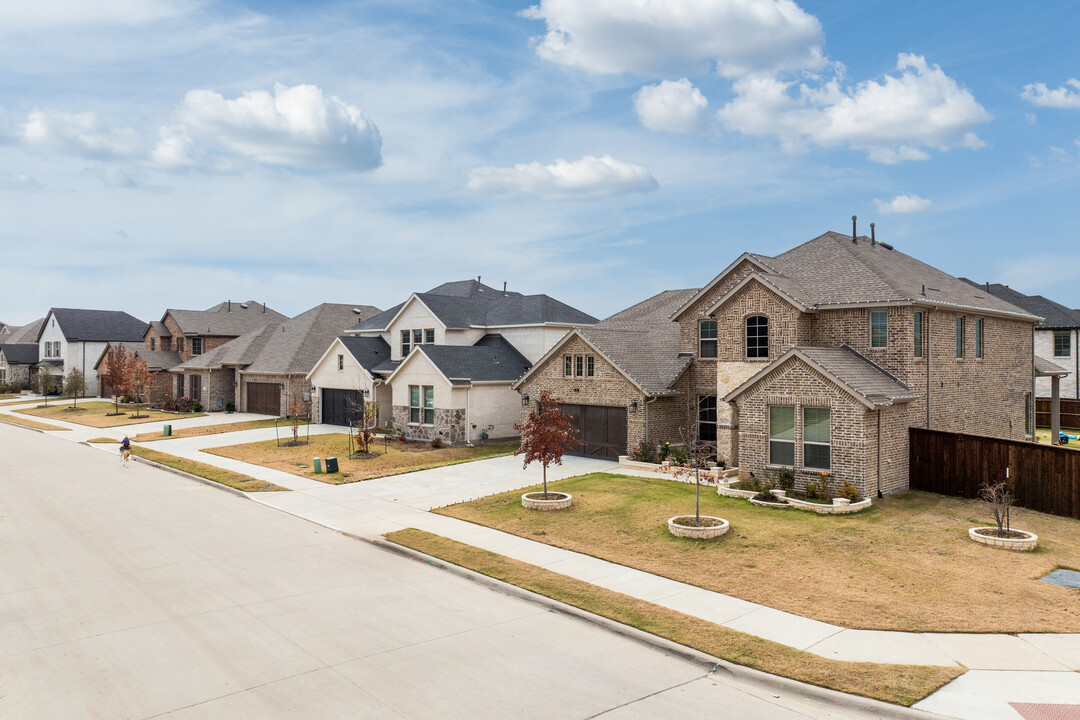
(125, 449)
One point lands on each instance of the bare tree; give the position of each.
(1000, 500)
(43, 383)
(296, 412)
(699, 453)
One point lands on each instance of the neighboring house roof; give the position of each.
(469, 303)
(26, 333)
(1045, 368)
(1054, 315)
(490, 359)
(156, 360)
(96, 325)
(832, 271)
(641, 342)
(370, 352)
(229, 319)
(20, 353)
(160, 328)
(861, 378)
(286, 348)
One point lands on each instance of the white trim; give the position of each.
(404, 306)
(723, 273)
(763, 279)
(412, 353)
(555, 350)
(337, 341)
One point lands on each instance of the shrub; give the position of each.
(677, 456)
(230, 407)
(749, 484)
(196, 406)
(848, 490)
(437, 443)
(644, 452)
(818, 489)
(662, 451)
(786, 479)
(128, 399)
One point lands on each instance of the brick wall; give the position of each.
(895, 421)
(787, 326)
(295, 386)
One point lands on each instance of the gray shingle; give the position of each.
(859, 373)
(491, 359)
(20, 353)
(370, 352)
(27, 333)
(1046, 368)
(229, 319)
(98, 325)
(1054, 315)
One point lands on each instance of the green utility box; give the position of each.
(331, 465)
(166, 431)
(317, 464)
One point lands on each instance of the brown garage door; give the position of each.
(601, 430)
(264, 398)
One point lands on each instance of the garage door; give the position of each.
(601, 430)
(264, 398)
(341, 407)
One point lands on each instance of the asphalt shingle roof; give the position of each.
(370, 352)
(98, 325)
(156, 360)
(858, 373)
(469, 303)
(490, 359)
(1054, 315)
(27, 333)
(291, 347)
(1046, 368)
(833, 270)
(20, 353)
(231, 319)
(643, 341)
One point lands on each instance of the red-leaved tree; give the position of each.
(139, 379)
(114, 372)
(546, 434)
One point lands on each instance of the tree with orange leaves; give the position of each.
(546, 434)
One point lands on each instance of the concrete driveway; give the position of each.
(135, 593)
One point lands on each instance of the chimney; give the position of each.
(873, 237)
(853, 235)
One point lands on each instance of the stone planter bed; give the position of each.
(839, 506)
(713, 475)
(711, 527)
(1021, 541)
(536, 501)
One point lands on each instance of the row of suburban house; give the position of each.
(818, 359)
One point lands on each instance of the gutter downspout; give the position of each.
(879, 453)
(468, 423)
(928, 349)
(84, 362)
(1076, 357)
(647, 403)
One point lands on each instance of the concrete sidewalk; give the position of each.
(1047, 663)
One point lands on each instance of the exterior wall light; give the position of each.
(633, 406)
(524, 400)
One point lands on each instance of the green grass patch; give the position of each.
(905, 564)
(218, 475)
(899, 684)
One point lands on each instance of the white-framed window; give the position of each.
(590, 366)
(196, 346)
(1062, 343)
(817, 438)
(707, 339)
(978, 337)
(340, 362)
(568, 366)
(406, 342)
(782, 435)
(879, 329)
(918, 334)
(422, 404)
(757, 336)
(960, 337)
(429, 336)
(409, 338)
(582, 366)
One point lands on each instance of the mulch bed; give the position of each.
(691, 521)
(1007, 534)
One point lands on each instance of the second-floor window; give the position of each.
(153, 344)
(179, 345)
(340, 362)
(707, 331)
(757, 336)
(959, 337)
(579, 366)
(879, 329)
(409, 338)
(196, 346)
(918, 334)
(1062, 343)
(978, 337)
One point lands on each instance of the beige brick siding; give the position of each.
(169, 343)
(787, 326)
(295, 386)
(895, 421)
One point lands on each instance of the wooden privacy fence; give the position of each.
(1070, 413)
(1042, 477)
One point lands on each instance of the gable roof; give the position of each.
(370, 352)
(491, 359)
(864, 380)
(228, 319)
(832, 271)
(641, 342)
(1054, 315)
(290, 347)
(469, 303)
(96, 325)
(156, 360)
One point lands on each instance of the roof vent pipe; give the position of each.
(853, 236)
(230, 307)
(924, 290)
(477, 278)
(987, 287)
(873, 236)
(264, 307)
(504, 287)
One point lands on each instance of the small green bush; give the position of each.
(644, 452)
(196, 406)
(818, 489)
(676, 455)
(230, 407)
(849, 491)
(786, 479)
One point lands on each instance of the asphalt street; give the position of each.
(136, 593)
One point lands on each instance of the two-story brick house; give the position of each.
(819, 359)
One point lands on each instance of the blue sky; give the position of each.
(175, 153)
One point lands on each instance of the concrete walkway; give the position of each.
(1044, 665)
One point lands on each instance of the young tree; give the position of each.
(366, 416)
(1000, 500)
(138, 381)
(699, 453)
(296, 411)
(546, 434)
(74, 386)
(43, 383)
(114, 372)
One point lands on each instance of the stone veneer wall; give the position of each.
(449, 425)
(16, 375)
(797, 384)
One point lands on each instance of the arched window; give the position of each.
(757, 336)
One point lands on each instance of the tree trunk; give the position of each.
(697, 505)
(545, 482)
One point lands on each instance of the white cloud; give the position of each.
(674, 106)
(1059, 97)
(656, 38)
(175, 149)
(906, 203)
(295, 127)
(893, 120)
(41, 14)
(80, 134)
(588, 177)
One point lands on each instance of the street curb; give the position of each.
(27, 427)
(737, 672)
(181, 473)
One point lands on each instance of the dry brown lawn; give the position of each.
(901, 684)
(213, 430)
(95, 413)
(218, 475)
(394, 460)
(26, 422)
(905, 564)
